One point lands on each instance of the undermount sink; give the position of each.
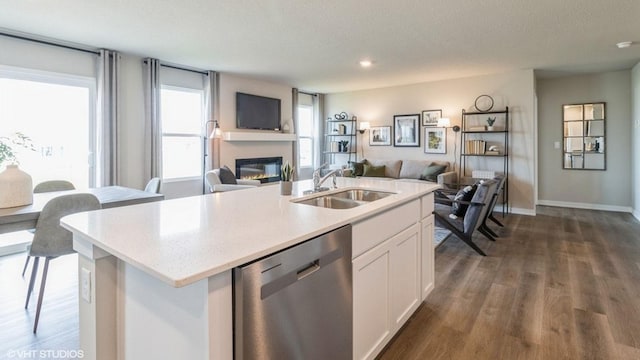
(345, 199)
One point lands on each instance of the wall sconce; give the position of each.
(446, 123)
(364, 126)
(216, 133)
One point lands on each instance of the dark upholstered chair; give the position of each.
(494, 200)
(464, 227)
(51, 240)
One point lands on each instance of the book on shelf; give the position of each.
(477, 128)
(492, 152)
(475, 147)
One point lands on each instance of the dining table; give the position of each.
(25, 217)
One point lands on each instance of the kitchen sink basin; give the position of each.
(362, 195)
(345, 199)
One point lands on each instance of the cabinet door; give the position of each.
(405, 275)
(427, 261)
(371, 320)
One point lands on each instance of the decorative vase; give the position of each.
(16, 187)
(286, 187)
(489, 128)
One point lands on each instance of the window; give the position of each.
(305, 136)
(57, 112)
(182, 114)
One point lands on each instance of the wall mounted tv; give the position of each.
(257, 112)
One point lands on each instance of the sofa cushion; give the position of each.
(374, 171)
(430, 173)
(412, 169)
(392, 167)
(226, 176)
(357, 168)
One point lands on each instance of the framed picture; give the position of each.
(435, 140)
(406, 130)
(380, 136)
(430, 117)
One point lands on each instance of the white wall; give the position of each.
(514, 89)
(607, 190)
(635, 139)
(230, 151)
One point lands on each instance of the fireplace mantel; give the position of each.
(257, 136)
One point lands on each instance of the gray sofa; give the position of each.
(411, 170)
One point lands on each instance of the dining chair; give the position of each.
(44, 187)
(153, 186)
(51, 240)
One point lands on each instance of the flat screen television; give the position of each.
(257, 112)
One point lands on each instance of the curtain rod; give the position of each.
(45, 42)
(306, 93)
(185, 69)
(201, 72)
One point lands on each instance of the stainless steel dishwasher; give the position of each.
(297, 303)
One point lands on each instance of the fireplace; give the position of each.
(264, 169)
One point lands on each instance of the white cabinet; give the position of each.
(386, 291)
(371, 317)
(427, 249)
(392, 272)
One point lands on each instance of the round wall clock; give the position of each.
(484, 103)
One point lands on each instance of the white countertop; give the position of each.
(182, 241)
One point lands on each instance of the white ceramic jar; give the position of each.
(16, 187)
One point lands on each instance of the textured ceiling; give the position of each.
(316, 45)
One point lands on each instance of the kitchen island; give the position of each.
(155, 279)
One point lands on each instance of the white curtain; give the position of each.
(294, 102)
(153, 129)
(108, 155)
(212, 111)
(318, 119)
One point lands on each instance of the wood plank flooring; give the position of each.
(58, 326)
(564, 284)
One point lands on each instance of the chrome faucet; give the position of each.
(317, 180)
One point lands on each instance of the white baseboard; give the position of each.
(587, 206)
(636, 214)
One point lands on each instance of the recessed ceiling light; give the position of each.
(624, 44)
(366, 63)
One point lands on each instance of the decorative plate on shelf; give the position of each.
(484, 103)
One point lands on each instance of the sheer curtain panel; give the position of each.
(153, 130)
(108, 115)
(212, 146)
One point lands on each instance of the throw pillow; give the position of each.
(226, 176)
(466, 194)
(373, 171)
(430, 173)
(357, 168)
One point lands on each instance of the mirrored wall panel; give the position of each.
(584, 135)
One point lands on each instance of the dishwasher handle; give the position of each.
(308, 270)
(270, 288)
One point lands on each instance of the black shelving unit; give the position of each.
(475, 144)
(330, 152)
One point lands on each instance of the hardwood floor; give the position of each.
(564, 284)
(58, 326)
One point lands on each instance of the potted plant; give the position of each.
(490, 122)
(286, 177)
(16, 186)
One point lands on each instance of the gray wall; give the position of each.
(607, 190)
(635, 91)
(513, 89)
